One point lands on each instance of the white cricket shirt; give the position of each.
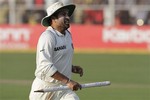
(54, 53)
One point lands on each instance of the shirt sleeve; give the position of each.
(45, 48)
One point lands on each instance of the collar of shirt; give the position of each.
(56, 32)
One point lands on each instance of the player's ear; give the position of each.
(53, 18)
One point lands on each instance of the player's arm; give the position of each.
(77, 70)
(70, 83)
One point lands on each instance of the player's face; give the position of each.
(63, 19)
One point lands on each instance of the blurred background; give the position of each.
(111, 40)
(102, 12)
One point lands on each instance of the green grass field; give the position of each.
(128, 73)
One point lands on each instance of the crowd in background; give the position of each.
(32, 11)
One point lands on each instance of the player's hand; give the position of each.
(74, 85)
(78, 70)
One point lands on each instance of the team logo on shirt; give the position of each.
(59, 48)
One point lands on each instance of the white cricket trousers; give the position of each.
(58, 95)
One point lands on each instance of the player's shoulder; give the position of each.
(48, 33)
(68, 33)
(47, 36)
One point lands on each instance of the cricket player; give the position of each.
(54, 56)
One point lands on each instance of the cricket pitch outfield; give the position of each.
(129, 75)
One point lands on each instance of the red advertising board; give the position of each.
(124, 37)
(84, 37)
(19, 36)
